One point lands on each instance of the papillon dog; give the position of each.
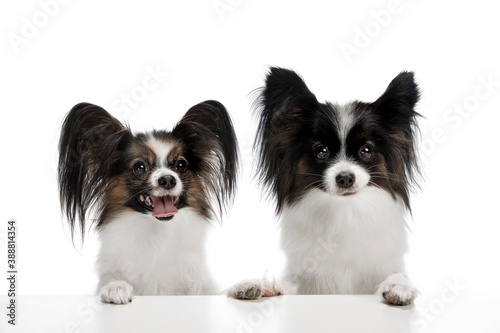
(341, 177)
(150, 196)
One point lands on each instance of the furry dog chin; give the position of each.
(341, 177)
(149, 195)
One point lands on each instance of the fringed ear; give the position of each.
(285, 107)
(284, 88)
(396, 105)
(207, 131)
(89, 147)
(396, 114)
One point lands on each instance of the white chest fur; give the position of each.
(156, 258)
(343, 245)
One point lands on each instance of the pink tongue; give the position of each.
(164, 207)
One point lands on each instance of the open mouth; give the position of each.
(163, 208)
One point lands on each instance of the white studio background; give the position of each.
(57, 53)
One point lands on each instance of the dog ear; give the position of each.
(396, 105)
(396, 114)
(89, 146)
(284, 89)
(207, 131)
(285, 107)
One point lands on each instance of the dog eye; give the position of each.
(366, 153)
(321, 152)
(139, 168)
(181, 165)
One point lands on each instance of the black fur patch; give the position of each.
(292, 123)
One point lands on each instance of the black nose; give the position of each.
(345, 179)
(167, 182)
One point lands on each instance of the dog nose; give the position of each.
(167, 182)
(345, 179)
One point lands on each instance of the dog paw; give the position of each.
(116, 292)
(254, 289)
(246, 289)
(397, 290)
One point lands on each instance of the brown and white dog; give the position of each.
(152, 195)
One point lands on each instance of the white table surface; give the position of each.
(336, 313)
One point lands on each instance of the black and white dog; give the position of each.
(341, 176)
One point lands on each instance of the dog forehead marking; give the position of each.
(161, 148)
(344, 121)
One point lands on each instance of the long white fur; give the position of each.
(343, 244)
(140, 255)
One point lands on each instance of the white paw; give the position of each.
(397, 290)
(246, 289)
(116, 292)
(253, 289)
